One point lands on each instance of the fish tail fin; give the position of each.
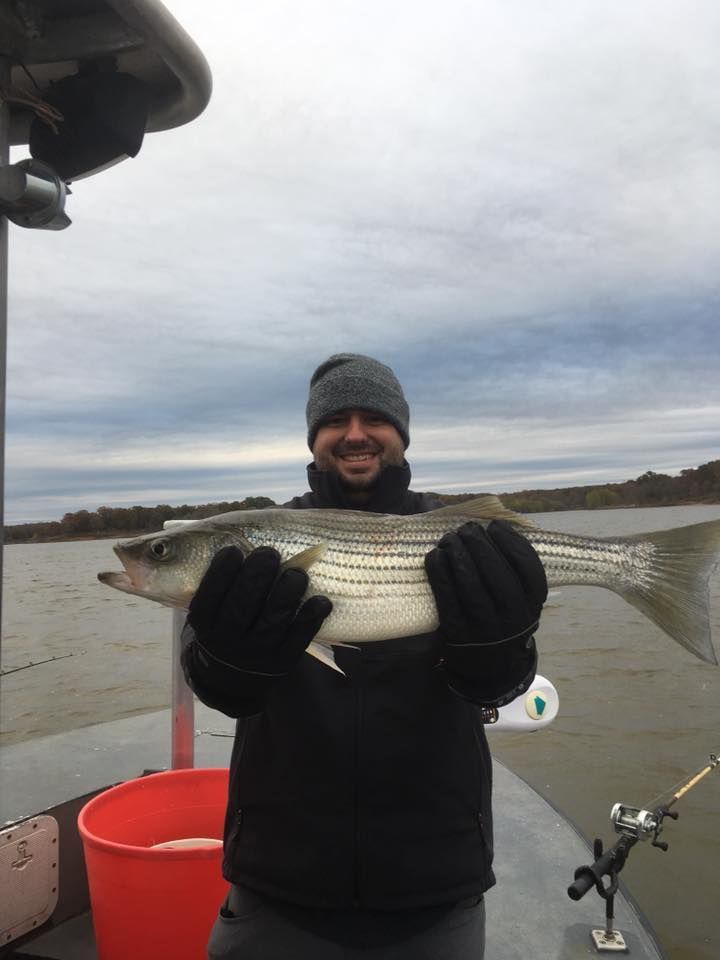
(674, 592)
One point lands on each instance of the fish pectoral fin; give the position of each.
(487, 507)
(306, 558)
(325, 654)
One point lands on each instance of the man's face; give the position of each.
(357, 444)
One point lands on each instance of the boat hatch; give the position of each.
(28, 875)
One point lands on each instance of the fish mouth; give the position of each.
(118, 579)
(121, 580)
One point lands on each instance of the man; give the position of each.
(359, 819)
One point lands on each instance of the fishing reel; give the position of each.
(641, 824)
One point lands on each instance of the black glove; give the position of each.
(489, 587)
(250, 627)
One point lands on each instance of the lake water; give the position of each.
(638, 713)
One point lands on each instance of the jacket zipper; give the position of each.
(237, 765)
(356, 812)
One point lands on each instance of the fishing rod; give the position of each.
(633, 824)
(35, 663)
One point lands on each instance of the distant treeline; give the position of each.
(124, 521)
(694, 485)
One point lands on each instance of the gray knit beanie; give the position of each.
(348, 380)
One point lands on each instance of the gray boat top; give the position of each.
(537, 849)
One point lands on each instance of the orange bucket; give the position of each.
(151, 902)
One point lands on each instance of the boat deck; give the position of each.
(529, 913)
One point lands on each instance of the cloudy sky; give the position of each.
(515, 205)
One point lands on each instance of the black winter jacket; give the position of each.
(371, 789)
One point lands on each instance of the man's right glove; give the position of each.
(250, 627)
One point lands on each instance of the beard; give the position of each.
(361, 481)
(350, 484)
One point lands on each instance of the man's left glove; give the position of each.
(489, 587)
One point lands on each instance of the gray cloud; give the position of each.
(516, 207)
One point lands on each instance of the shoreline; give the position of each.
(125, 535)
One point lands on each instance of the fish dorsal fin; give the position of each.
(306, 558)
(485, 507)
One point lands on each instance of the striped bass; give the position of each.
(372, 566)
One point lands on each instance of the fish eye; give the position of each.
(160, 549)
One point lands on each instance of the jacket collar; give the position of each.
(388, 492)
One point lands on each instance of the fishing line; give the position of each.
(684, 785)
